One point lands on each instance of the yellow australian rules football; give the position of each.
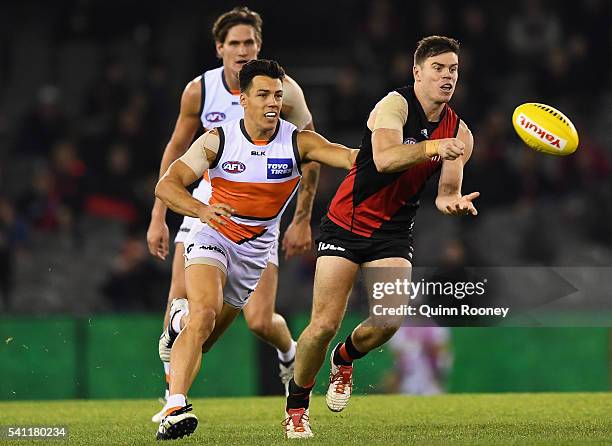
(545, 129)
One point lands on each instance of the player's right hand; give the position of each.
(158, 237)
(450, 148)
(212, 215)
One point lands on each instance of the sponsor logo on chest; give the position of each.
(279, 168)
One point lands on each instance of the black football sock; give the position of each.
(346, 352)
(298, 396)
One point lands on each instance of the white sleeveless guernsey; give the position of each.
(219, 105)
(257, 180)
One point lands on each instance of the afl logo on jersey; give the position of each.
(233, 167)
(410, 140)
(215, 117)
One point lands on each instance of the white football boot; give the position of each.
(297, 424)
(286, 373)
(340, 385)
(178, 423)
(159, 415)
(168, 336)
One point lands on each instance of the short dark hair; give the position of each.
(240, 15)
(432, 46)
(259, 67)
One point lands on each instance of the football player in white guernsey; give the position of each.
(249, 193)
(211, 100)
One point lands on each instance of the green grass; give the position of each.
(569, 418)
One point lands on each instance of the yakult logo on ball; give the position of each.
(544, 135)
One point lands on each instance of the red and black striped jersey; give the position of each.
(383, 205)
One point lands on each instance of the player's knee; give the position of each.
(260, 326)
(202, 321)
(324, 330)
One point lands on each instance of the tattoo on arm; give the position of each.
(306, 193)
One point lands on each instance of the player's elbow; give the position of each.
(162, 189)
(382, 163)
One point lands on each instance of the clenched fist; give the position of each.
(211, 215)
(450, 148)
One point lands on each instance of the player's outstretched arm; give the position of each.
(314, 147)
(172, 187)
(298, 236)
(186, 125)
(390, 154)
(449, 200)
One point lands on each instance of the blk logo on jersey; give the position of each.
(233, 167)
(279, 168)
(215, 117)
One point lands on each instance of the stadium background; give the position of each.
(89, 94)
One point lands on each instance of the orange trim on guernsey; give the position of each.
(238, 232)
(254, 200)
(167, 378)
(260, 142)
(206, 176)
(235, 92)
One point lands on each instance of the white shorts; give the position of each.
(243, 266)
(190, 222)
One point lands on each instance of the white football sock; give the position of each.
(176, 400)
(289, 354)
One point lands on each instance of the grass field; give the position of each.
(571, 418)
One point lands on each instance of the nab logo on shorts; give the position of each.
(234, 167)
(215, 117)
(279, 168)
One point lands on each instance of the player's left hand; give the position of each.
(297, 239)
(463, 206)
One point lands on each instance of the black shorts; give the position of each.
(338, 242)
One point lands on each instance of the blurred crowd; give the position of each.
(89, 93)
